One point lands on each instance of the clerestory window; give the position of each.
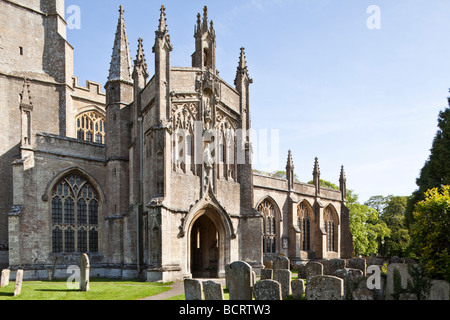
(91, 127)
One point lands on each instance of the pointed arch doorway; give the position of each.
(208, 243)
(204, 248)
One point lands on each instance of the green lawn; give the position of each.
(100, 289)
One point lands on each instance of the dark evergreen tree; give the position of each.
(436, 171)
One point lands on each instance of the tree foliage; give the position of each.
(431, 232)
(436, 171)
(392, 212)
(366, 226)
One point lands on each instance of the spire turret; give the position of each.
(120, 68)
(205, 43)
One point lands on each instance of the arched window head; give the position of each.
(267, 209)
(91, 127)
(74, 212)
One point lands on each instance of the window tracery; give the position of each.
(91, 127)
(74, 213)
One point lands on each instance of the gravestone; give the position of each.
(267, 290)
(19, 280)
(396, 271)
(358, 263)
(85, 268)
(439, 290)
(313, 269)
(5, 278)
(298, 289)
(239, 280)
(281, 262)
(330, 266)
(212, 290)
(351, 279)
(325, 288)
(192, 289)
(266, 274)
(284, 278)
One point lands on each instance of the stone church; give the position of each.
(152, 176)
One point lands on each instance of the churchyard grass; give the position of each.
(100, 289)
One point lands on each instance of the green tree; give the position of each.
(366, 227)
(431, 232)
(436, 171)
(399, 240)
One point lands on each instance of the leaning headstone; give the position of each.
(5, 278)
(325, 288)
(439, 290)
(298, 289)
(358, 263)
(212, 290)
(192, 289)
(85, 268)
(239, 280)
(266, 274)
(19, 280)
(313, 269)
(284, 278)
(267, 290)
(351, 279)
(281, 262)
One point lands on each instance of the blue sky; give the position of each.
(336, 90)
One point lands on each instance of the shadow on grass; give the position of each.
(6, 294)
(56, 290)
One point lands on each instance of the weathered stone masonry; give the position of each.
(145, 176)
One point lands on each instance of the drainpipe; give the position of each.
(141, 194)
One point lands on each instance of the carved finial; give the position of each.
(162, 20)
(25, 97)
(342, 177)
(316, 166)
(290, 162)
(140, 61)
(121, 11)
(205, 19)
(343, 184)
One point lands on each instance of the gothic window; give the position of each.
(304, 223)
(270, 226)
(74, 212)
(331, 223)
(91, 127)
